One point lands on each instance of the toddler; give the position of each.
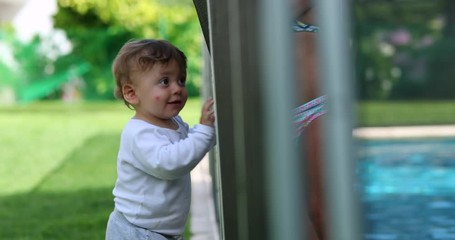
(157, 148)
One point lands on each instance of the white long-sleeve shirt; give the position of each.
(153, 187)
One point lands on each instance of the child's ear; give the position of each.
(129, 94)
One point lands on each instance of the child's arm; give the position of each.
(163, 159)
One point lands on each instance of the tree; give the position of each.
(401, 47)
(98, 28)
(441, 60)
(23, 63)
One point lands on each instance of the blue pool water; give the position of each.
(408, 189)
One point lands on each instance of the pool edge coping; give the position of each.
(399, 132)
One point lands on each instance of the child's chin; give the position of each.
(173, 115)
(174, 111)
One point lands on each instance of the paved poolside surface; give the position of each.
(405, 132)
(203, 218)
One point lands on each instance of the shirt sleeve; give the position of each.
(160, 157)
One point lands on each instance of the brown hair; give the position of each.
(142, 55)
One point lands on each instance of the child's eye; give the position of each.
(182, 82)
(164, 81)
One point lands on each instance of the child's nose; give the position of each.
(177, 89)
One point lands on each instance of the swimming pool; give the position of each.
(407, 188)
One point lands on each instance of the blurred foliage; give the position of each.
(404, 49)
(7, 70)
(22, 63)
(98, 28)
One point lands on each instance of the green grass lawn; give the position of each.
(406, 113)
(57, 167)
(58, 161)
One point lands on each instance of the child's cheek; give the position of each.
(157, 98)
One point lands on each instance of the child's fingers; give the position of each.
(208, 114)
(211, 115)
(208, 105)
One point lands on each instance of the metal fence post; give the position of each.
(336, 71)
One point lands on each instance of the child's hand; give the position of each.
(207, 115)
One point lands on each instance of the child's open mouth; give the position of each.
(175, 103)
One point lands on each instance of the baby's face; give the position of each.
(161, 91)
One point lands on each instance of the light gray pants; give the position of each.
(119, 228)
